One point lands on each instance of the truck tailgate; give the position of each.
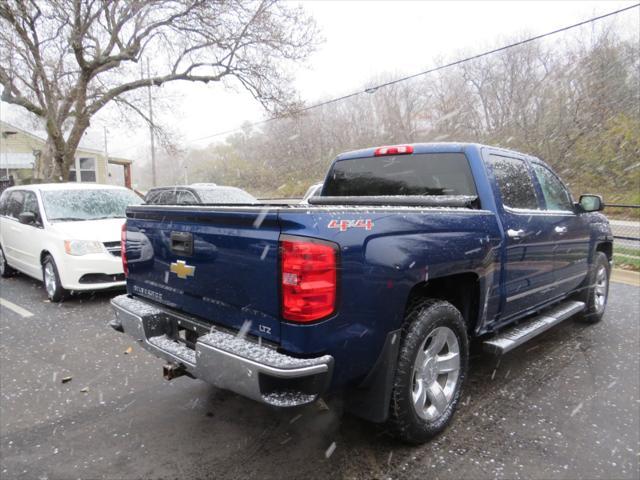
(217, 263)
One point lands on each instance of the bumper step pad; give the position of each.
(223, 359)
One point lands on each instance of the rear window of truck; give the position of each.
(417, 174)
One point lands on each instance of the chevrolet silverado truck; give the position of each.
(374, 288)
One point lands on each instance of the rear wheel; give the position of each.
(432, 366)
(5, 269)
(51, 280)
(597, 290)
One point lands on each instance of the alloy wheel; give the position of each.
(435, 373)
(50, 282)
(600, 290)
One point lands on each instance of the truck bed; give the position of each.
(232, 277)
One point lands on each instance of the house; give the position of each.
(20, 152)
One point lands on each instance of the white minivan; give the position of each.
(65, 234)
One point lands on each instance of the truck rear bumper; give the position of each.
(225, 360)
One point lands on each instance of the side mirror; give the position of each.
(28, 218)
(591, 203)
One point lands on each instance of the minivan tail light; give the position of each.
(123, 249)
(393, 150)
(308, 273)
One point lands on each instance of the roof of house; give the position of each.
(8, 127)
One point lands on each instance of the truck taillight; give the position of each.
(123, 249)
(308, 279)
(393, 150)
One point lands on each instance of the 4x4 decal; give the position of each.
(344, 225)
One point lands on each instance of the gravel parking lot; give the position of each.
(77, 402)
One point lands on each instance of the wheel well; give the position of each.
(43, 255)
(461, 290)
(606, 248)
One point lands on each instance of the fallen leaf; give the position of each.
(330, 450)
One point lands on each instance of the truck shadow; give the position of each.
(320, 442)
(494, 385)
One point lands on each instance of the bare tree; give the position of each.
(64, 60)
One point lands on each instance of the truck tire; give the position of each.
(51, 280)
(5, 270)
(596, 291)
(432, 366)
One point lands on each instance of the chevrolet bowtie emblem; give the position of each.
(182, 270)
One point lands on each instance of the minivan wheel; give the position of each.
(5, 270)
(432, 366)
(51, 280)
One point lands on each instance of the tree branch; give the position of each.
(10, 94)
(152, 81)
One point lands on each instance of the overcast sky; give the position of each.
(363, 39)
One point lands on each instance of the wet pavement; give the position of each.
(566, 405)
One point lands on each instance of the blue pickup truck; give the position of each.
(374, 288)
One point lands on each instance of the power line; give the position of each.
(424, 72)
(506, 47)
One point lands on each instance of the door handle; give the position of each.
(182, 243)
(511, 233)
(560, 230)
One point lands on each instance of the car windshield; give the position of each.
(225, 195)
(78, 205)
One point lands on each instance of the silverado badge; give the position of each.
(182, 270)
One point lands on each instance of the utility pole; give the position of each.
(106, 151)
(151, 133)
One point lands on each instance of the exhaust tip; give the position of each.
(116, 325)
(171, 371)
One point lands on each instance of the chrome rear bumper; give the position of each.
(227, 361)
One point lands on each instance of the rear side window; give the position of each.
(555, 194)
(514, 181)
(162, 197)
(417, 174)
(184, 197)
(152, 196)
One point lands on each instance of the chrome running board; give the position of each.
(515, 336)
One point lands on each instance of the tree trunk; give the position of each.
(61, 166)
(54, 164)
(46, 160)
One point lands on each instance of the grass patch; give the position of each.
(627, 258)
(626, 262)
(627, 251)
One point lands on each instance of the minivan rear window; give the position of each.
(417, 174)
